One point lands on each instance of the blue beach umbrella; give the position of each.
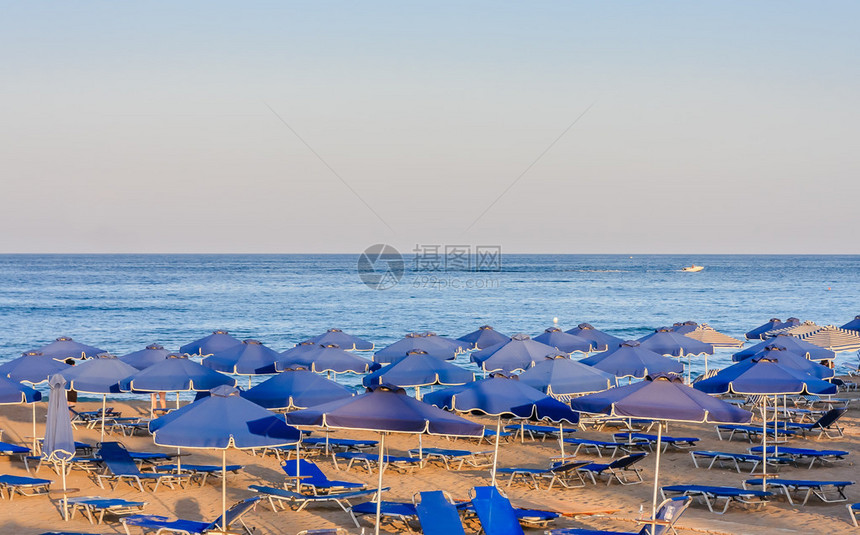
(759, 333)
(65, 348)
(661, 397)
(59, 443)
(853, 325)
(145, 357)
(220, 421)
(502, 396)
(520, 353)
(249, 358)
(600, 340)
(684, 327)
(296, 389)
(792, 360)
(298, 349)
(14, 393)
(630, 359)
(558, 375)
(217, 341)
(104, 374)
(789, 343)
(483, 338)
(417, 370)
(667, 342)
(342, 340)
(326, 359)
(386, 409)
(32, 367)
(434, 346)
(562, 341)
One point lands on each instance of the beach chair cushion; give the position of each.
(801, 454)
(495, 512)
(311, 476)
(437, 515)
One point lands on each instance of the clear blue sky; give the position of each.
(711, 127)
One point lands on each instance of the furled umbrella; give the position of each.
(759, 333)
(600, 340)
(500, 396)
(32, 367)
(249, 358)
(483, 338)
(632, 360)
(65, 348)
(661, 397)
(560, 377)
(104, 374)
(220, 421)
(296, 389)
(562, 341)
(785, 341)
(59, 443)
(385, 409)
(217, 341)
(419, 369)
(15, 393)
(520, 353)
(342, 340)
(145, 357)
(853, 325)
(432, 345)
(326, 359)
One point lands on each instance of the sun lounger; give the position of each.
(286, 498)
(121, 466)
(162, 524)
(495, 512)
(201, 472)
(369, 460)
(25, 486)
(598, 446)
(853, 510)
(449, 457)
(826, 491)
(681, 443)
(10, 450)
(127, 426)
(438, 515)
(323, 531)
(311, 477)
(735, 460)
(804, 454)
(96, 507)
(489, 436)
(567, 474)
(390, 511)
(827, 425)
(751, 432)
(668, 513)
(339, 444)
(622, 470)
(535, 432)
(90, 418)
(711, 495)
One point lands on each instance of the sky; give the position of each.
(325, 127)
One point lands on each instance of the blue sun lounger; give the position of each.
(122, 467)
(474, 459)
(824, 426)
(437, 515)
(286, 498)
(735, 460)
(369, 460)
(501, 504)
(621, 470)
(563, 473)
(668, 513)
(712, 494)
(826, 491)
(495, 512)
(96, 507)
(599, 446)
(535, 432)
(751, 432)
(854, 510)
(200, 472)
(162, 524)
(311, 477)
(681, 443)
(805, 454)
(391, 511)
(24, 486)
(339, 444)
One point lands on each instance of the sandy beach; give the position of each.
(34, 515)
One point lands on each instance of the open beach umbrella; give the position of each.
(833, 338)
(326, 359)
(569, 343)
(790, 359)
(500, 396)
(760, 332)
(419, 369)
(14, 393)
(249, 358)
(600, 340)
(217, 341)
(795, 330)
(298, 349)
(65, 348)
(707, 334)
(559, 376)
(434, 346)
(296, 389)
(785, 341)
(458, 345)
(520, 353)
(145, 357)
(385, 409)
(630, 359)
(853, 325)
(104, 374)
(661, 397)
(342, 340)
(220, 421)
(59, 443)
(684, 327)
(32, 367)
(483, 338)
(667, 342)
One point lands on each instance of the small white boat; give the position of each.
(693, 269)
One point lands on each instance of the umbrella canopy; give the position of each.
(520, 353)
(705, 333)
(419, 369)
(853, 325)
(483, 338)
(759, 333)
(32, 367)
(555, 337)
(342, 340)
(176, 373)
(435, 346)
(600, 340)
(793, 360)
(684, 327)
(217, 341)
(298, 349)
(296, 389)
(763, 375)
(833, 338)
(795, 330)
(59, 443)
(558, 375)
(65, 348)
(325, 359)
(145, 357)
(665, 341)
(13, 393)
(103, 374)
(630, 359)
(785, 341)
(250, 357)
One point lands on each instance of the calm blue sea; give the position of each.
(123, 302)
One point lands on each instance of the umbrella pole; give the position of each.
(224, 490)
(561, 439)
(104, 403)
(763, 444)
(65, 498)
(496, 450)
(522, 432)
(421, 447)
(656, 474)
(177, 399)
(34, 428)
(178, 460)
(298, 466)
(379, 484)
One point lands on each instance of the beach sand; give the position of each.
(34, 515)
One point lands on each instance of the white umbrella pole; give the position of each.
(177, 399)
(496, 450)
(298, 466)
(224, 489)
(420, 447)
(379, 484)
(561, 439)
(65, 499)
(763, 444)
(104, 403)
(656, 474)
(35, 442)
(178, 460)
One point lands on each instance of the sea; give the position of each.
(121, 303)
